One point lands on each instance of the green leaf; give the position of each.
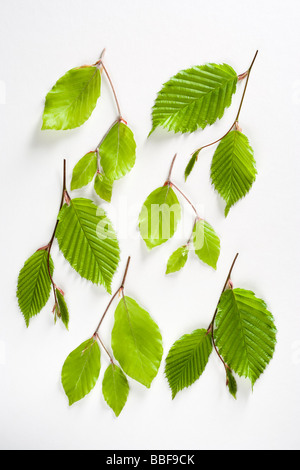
(245, 333)
(117, 151)
(88, 241)
(233, 168)
(136, 341)
(103, 187)
(81, 370)
(187, 360)
(115, 388)
(177, 260)
(84, 171)
(206, 243)
(231, 383)
(62, 309)
(72, 99)
(194, 98)
(159, 216)
(34, 284)
(191, 164)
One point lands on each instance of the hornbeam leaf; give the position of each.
(72, 99)
(245, 333)
(115, 388)
(103, 187)
(62, 308)
(159, 216)
(194, 98)
(117, 151)
(191, 164)
(187, 360)
(206, 243)
(177, 259)
(231, 383)
(34, 284)
(88, 241)
(84, 171)
(136, 341)
(81, 370)
(233, 168)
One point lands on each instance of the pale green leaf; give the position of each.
(177, 259)
(245, 333)
(117, 151)
(233, 168)
(72, 99)
(231, 383)
(187, 360)
(194, 98)
(103, 187)
(34, 284)
(136, 341)
(191, 164)
(88, 241)
(159, 216)
(62, 309)
(84, 171)
(115, 388)
(206, 243)
(81, 370)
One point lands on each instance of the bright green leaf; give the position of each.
(81, 370)
(136, 341)
(187, 360)
(231, 383)
(103, 187)
(34, 284)
(177, 259)
(191, 164)
(206, 243)
(84, 171)
(245, 333)
(159, 216)
(72, 99)
(117, 151)
(62, 309)
(115, 388)
(88, 241)
(194, 98)
(233, 168)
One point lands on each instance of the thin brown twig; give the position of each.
(103, 346)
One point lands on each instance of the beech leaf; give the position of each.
(115, 388)
(206, 243)
(177, 260)
(84, 171)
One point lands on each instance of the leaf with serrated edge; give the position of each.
(103, 187)
(62, 308)
(187, 360)
(159, 216)
(117, 151)
(233, 169)
(206, 243)
(245, 333)
(84, 171)
(177, 259)
(88, 241)
(231, 383)
(34, 284)
(194, 98)
(115, 388)
(72, 99)
(136, 341)
(81, 370)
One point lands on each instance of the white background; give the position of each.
(147, 42)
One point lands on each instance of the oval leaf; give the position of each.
(187, 360)
(34, 284)
(206, 243)
(191, 164)
(72, 99)
(103, 187)
(115, 388)
(159, 216)
(194, 98)
(81, 370)
(177, 260)
(62, 309)
(84, 171)
(245, 333)
(136, 341)
(233, 168)
(88, 241)
(231, 383)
